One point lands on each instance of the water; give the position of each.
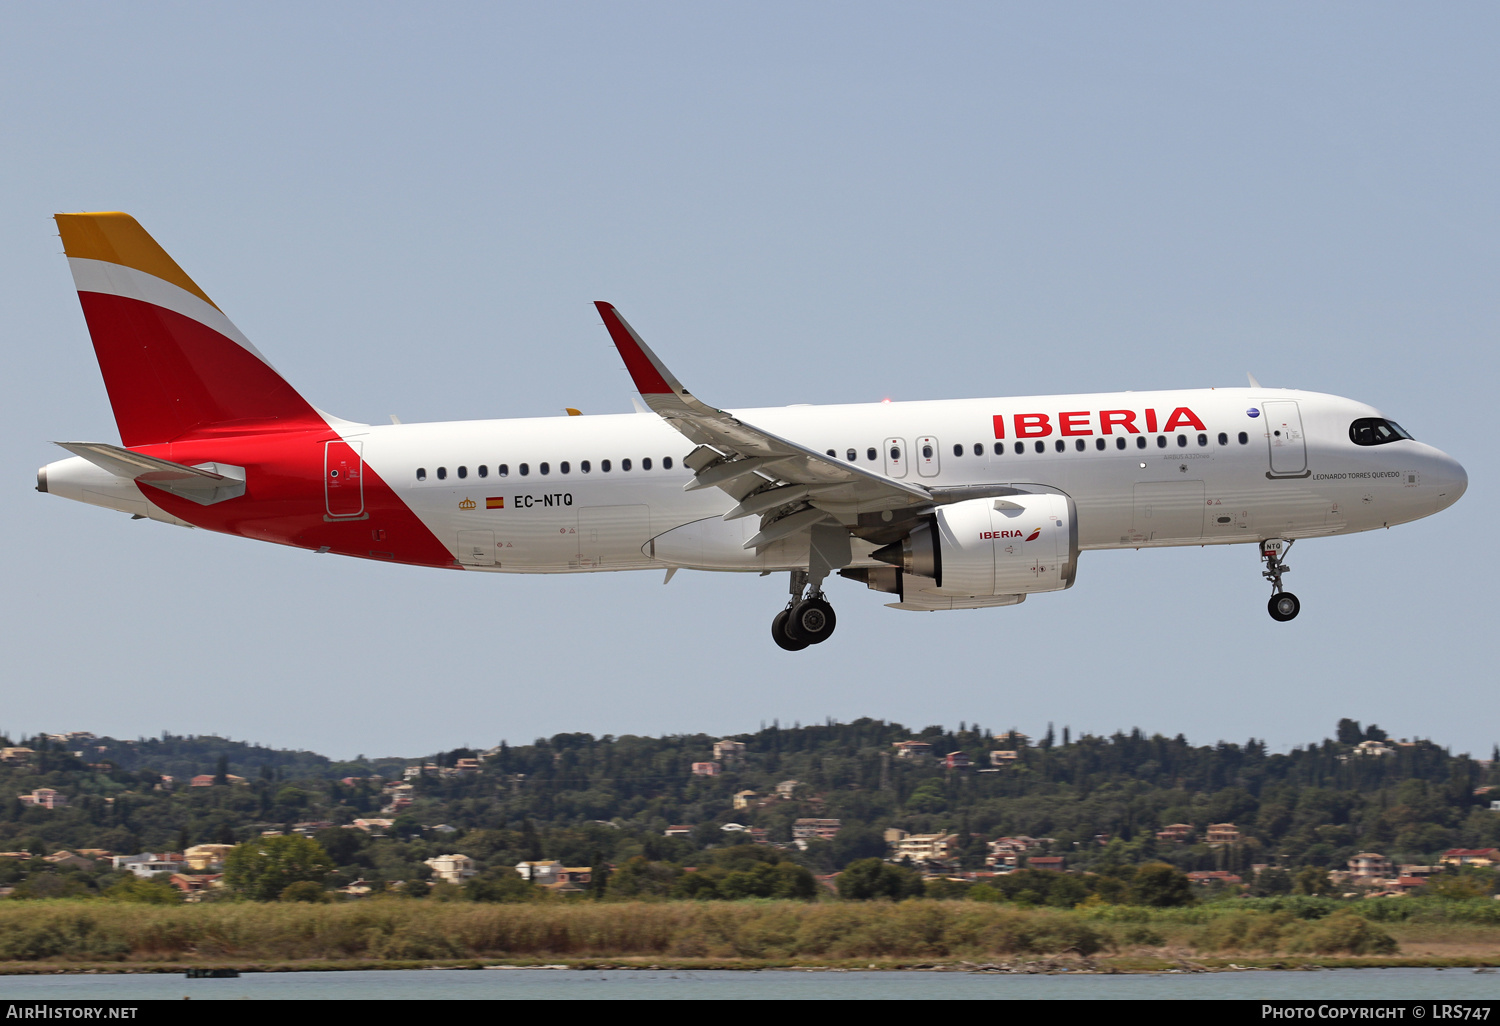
(726, 985)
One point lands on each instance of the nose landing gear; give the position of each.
(1283, 605)
(808, 620)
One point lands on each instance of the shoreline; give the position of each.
(1145, 965)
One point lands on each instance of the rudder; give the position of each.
(174, 366)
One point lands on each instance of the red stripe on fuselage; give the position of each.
(168, 376)
(284, 500)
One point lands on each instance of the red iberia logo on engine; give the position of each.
(496, 502)
(996, 535)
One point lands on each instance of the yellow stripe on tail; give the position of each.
(118, 238)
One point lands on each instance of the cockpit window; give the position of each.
(1375, 431)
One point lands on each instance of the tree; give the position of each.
(341, 844)
(1349, 732)
(261, 869)
(872, 878)
(1271, 882)
(1312, 880)
(531, 842)
(598, 877)
(305, 890)
(856, 841)
(1162, 886)
(501, 885)
(136, 889)
(221, 774)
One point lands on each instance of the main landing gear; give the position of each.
(808, 618)
(1283, 605)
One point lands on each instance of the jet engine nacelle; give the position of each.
(1007, 546)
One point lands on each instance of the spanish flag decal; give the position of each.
(495, 503)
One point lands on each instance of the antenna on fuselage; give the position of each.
(1253, 382)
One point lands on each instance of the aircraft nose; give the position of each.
(1449, 479)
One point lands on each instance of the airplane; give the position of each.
(942, 505)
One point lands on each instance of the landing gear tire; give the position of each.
(811, 621)
(1284, 607)
(779, 632)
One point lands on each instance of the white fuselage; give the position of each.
(1295, 474)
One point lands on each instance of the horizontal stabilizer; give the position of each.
(205, 484)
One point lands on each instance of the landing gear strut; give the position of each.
(808, 618)
(1283, 605)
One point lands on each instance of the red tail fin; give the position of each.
(173, 364)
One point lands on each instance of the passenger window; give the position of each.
(545, 468)
(484, 471)
(830, 452)
(604, 466)
(978, 448)
(1202, 440)
(503, 470)
(1182, 441)
(563, 467)
(850, 455)
(646, 463)
(666, 462)
(1021, 448)
(1161, 441)
(1244, 438)
(958, 448)
(1060, 445)
(624, 464)
(525, 469)
(870, 455)
(1041, 447)
(463, 472)
(999, 448)
(442, 473)
(1140, 441)
(927, 452)
(584, 466)
(1078, 445)
(1223, 438)
(895, 453)
(421, 473)
(1099, 444)
(1119, 442)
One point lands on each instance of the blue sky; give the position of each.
(410, 208)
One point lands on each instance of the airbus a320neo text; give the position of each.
(953, 504)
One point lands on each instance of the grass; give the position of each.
(49, 935)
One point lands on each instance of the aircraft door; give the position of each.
(929, 460)
(343, 479)
(1284, 434)
(895, 457)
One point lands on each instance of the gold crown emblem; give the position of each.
(467, 504)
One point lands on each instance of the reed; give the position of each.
(94, 931)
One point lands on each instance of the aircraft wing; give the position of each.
(791, 486)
